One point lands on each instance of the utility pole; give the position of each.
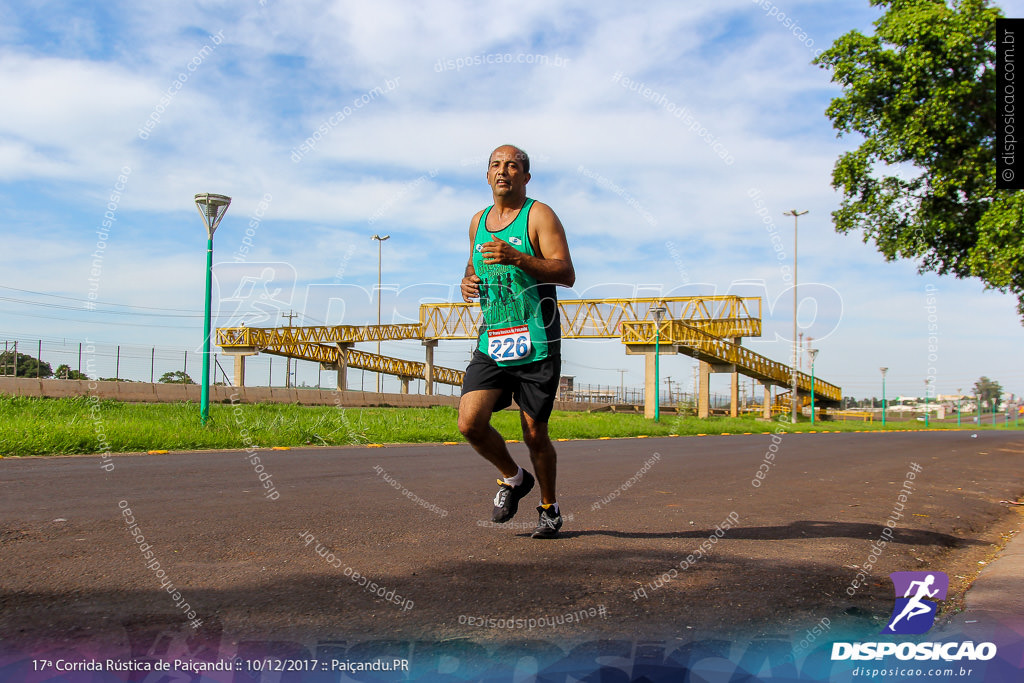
(696, 387)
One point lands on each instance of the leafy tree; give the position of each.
(922, 93)
(989, 391)
(176, 377)
(65, 372)
(27, 366)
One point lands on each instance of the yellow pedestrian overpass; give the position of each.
(707, 328)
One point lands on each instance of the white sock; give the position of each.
(516, 480)
(552, 505)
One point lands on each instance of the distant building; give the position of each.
(565, 387)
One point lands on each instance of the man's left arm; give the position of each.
(552, 264)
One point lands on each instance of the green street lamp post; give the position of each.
(796, 358)
(658, 312)
(958, 397)
(926, 383)
(814, 354)
(884, 370)
(212, 208)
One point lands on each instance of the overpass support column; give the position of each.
(343, 349)
(649, 385)
(734, 395)
(239, 371)
(429, 370)
(704, 391)
(405, 384)
(766, 411)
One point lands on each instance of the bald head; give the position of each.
(513, 152)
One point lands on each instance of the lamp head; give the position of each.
(212, 208)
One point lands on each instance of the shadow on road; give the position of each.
(800, 529)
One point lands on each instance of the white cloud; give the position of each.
(413, 158)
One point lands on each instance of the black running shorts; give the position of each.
(533, 385)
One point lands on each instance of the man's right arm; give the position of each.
(470, 282)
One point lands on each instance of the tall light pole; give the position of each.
(814, 354)
(380, 244)
(658, 312)
(884, 370)
(622, 384)
(212, 208)
(796, 360)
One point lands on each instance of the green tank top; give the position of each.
(520, 316)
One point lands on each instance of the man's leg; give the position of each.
(475, 410)
(542, 454)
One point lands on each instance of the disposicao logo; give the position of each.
(917, 596)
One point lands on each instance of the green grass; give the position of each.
(40, 426)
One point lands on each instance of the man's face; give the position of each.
(505, 172)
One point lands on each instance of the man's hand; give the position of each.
(470, 288)
(500, 253)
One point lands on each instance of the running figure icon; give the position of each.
(917, 597)
(916, 607)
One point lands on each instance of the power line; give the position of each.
(95, 322)
(68, 298)
(43, 304)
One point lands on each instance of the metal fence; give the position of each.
(134, 363)
(620, 395)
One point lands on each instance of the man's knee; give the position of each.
(472, 426)
(535, 435)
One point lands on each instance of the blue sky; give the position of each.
(126, 111)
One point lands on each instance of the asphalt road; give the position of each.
(784, 554)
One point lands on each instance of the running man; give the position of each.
(916, 606)
(518, 254)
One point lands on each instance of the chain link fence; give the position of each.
(65, 359)
(70, 359)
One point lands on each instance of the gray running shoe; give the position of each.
(506, 501)
(548, 524)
